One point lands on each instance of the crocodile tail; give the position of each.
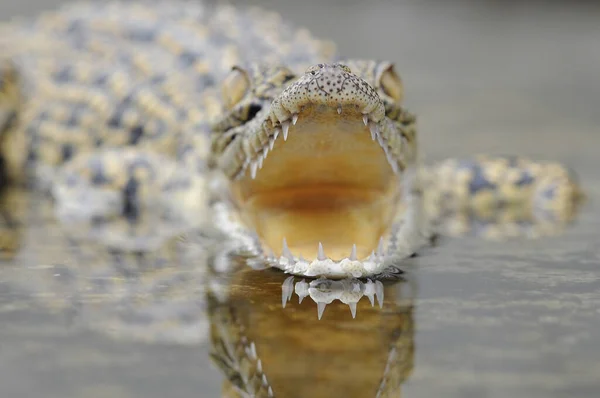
(501, 196)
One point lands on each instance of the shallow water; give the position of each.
(471, 318)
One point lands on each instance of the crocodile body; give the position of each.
(235, 122)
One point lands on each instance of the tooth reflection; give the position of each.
(324, 291)
(287, 290)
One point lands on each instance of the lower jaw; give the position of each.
(324, 231)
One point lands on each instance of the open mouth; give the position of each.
(324, 189)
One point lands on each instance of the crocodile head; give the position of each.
(314, 163)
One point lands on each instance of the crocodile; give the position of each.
(233, 122)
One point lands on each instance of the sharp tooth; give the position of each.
(374, 130)
(369, 291)
(353, 253)
(321, 253)
(380, 247)
(270, 391)
(259, 366)
(339, 110)
(366, 120)
(276, 134)
(294, 118)
(286, 251)
(260, 161)
(352, 309)
(253, 168)
(272, 143)
(372, 256)
(285, 127)
(379, 293)
(264, 380)
(321, 309)
(287, 289)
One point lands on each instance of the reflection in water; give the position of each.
(324, 291)
(267, 344)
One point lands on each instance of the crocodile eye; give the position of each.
(235, 86)
(391, 84)
(253, 110)
(314, 69)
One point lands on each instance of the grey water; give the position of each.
(470, 318)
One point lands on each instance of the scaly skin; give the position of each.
(115, 104)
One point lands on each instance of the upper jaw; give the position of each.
(332, 88)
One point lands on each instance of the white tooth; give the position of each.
(379, 293)
(369, 291)
(321, 309)
(264, 380)
(259, 366)
(261, 158)
(366, 120)
(276, 134)
(270, 391)
(253, 168)
(252, 351)
(287, 289)
(321, 253)
(294, 118)
(353, 253)
(374, 130)
(272, 143)
(285, 127)
(394, 165)
(286, 251)
(372, 256)
(339, 110)
(352, 309)
(380, 247)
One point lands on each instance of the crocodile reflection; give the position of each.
(271, 336)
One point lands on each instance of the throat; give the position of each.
(338, 217)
